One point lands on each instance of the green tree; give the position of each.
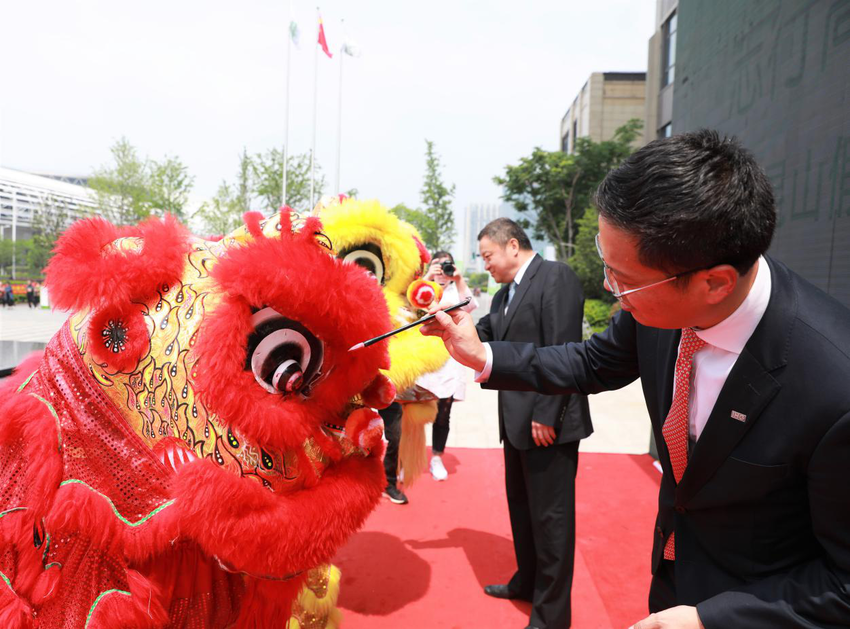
(423, 223)
(220, 215)
(439, 231)
(6, 252)
(169, 185)
(122, 188)
(50, 219)
(557, 188)
(268, 180)
(585, 261)
(478, 280)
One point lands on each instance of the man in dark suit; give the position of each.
(744, 369)
(540, 303)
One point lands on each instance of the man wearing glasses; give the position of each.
(744, 369)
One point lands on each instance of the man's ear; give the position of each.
(719, 282)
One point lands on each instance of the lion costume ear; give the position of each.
(96, 264)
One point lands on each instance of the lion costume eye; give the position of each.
(284, 356)
(367, 256)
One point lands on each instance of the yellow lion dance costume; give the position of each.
(368, 234)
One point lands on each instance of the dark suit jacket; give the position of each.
(547, 308)
(762, 513)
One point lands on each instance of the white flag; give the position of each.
(294, 33)
(350, 48)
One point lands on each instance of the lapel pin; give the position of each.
(739, 416)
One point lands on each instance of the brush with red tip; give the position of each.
(424, 319)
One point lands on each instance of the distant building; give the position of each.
(776, 76)
(661, 71)
(24, 195)
(607, 101)
(476, 216)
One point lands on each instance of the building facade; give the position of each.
(24, 195)
(606, 101)
(775, 75)
(661, 72)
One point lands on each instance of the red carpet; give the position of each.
(423, 565)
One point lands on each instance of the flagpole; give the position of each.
(286, 106)
(339, 119)
(315, 116)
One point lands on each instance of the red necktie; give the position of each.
(675, 429)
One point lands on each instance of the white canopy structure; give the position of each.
(24, 195)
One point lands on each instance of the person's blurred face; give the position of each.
(500, 262)
(663, 306)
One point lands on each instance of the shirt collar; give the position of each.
(523, 269)
(734, 331)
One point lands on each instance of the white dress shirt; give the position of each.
(712, 363)
(726, 340)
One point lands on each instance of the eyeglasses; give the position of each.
(615, 287)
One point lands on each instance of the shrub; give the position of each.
(597, 313)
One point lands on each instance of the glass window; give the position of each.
(669, 53)
(666, 131)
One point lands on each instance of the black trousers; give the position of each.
(392, 431)
(540, 485)
(440, 431)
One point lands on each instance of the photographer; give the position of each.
(448, 382)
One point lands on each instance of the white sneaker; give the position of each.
(438, 470)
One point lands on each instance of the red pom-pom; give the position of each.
(422, 293)
(119, 337)
(380, 393)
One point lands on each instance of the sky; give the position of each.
(486, 81)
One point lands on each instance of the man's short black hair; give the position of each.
(501, 230)
(693, 201)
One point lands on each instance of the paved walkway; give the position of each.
(620, 420)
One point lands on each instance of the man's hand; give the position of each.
(459, 336)
(681, 617)
(542, 434)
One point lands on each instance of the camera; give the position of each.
(448, 268)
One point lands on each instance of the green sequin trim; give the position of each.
(27, 381)
(100, 596)
(9, 583)
(46, 548)
(55, 417)
(111, 504)
(12, 510)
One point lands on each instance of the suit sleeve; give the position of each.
(604, 362)
(561, 319)
(485, 331)
(814, 594)
(484, 327)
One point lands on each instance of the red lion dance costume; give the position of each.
(197, 437)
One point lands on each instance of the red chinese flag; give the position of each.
(322, 41)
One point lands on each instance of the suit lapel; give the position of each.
(668, 351)
(746, 392)
(520, 292)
